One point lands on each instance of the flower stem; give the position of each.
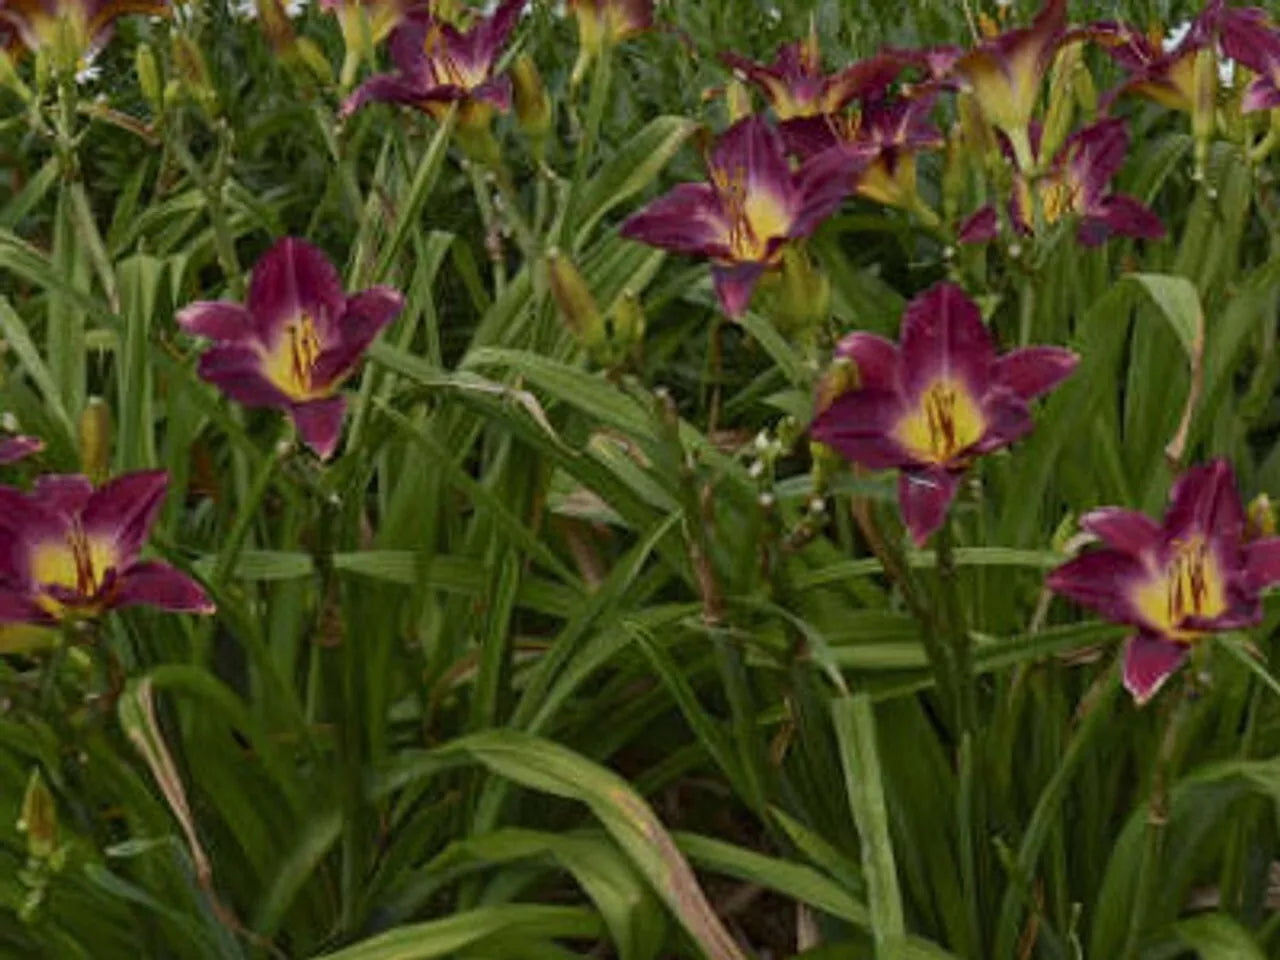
(1157, 823)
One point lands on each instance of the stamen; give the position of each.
(304, 349)
(940, 414)
(732, 187)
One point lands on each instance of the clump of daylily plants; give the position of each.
(1026, 151)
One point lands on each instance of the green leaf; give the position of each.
(1217, 936)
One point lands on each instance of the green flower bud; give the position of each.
(1062, 101)
(39, 818)
(737, 100)
(573, 297)
(533, 106)
(95, 440)
(148, 72)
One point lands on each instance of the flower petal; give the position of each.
(1103, 581)
(238, 372)
(384, 88)
(294, 278)
(1005, 419)
(319, 423)
(1262, 94)
(1204, 503)
(14, 448)
(1094, 155)
(1033, 371)
(367, 313)
(686, 220)
(751, 152)
(17, 607)
(218, 320)
(876, 360)
(124, 510)
(1127, 531)
(64, 494)
(943, 337)
(1262, 562)
(734, 286)
(1120, 215)
(1150, 660)
(982, 227)
(924, 496)
(806, 137)
(153, 584)
(822, 184)
(859, 424)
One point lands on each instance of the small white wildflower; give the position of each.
(89, 70)
(1173, 39)
(9, 422)
(756, 470)
(762, 441)
(767, 500)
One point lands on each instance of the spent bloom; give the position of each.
(294, 341)
(935, 401)
(754, 204)
(437, 65)
(1005, 74)
(69, 32)
(1076, 184)
(15, 447)
(1197, 572)
(69, 551)
(606, 22)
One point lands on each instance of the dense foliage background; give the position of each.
(579, 652)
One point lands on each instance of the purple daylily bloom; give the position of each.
(294, 341)
(753, 205)
(1005, 74)
(15, 447)
(68, 551)
(930, 404)
(1076, 184)
(72, 31)
(437, 65)
(1252, 38)
(1194, 573)
(379, 17)
(797, 89)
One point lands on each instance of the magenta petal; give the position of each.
(859, 424)
(293, 278)
(1150, 660)
(1101, 580)
(1033, 371)
(367, 313)
(1262, 94)
(1262, 562)
(497, 28)
(384, 88)
(217, 320)
(734, 286)
(18, 608)
(1128, 531)
(152, 584)
(1007, 419)
(15, 448)
(924, 496)
(981, 227)
(1095, 155)
(1119, 215)
(751, 148)
(686, 220)
(806, 137)
(876, 360)
(943, 337)
(319, 423)
(237, 372)
(823, 183)
(125, 508)
(1204, 502)
(64, 494)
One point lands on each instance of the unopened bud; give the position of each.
(192, 75)
(314, 60)
(533, 106)
(978, 136)
(148, 73)
(573, 297)
(798, 293)
(1260, 518)
(623, 331)
(839, 379)
(39, 818)
(1204, 105)
(1062, 100)
(95, 440)
(737, 100)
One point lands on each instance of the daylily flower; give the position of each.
(885, 136)
(1076, 184)
(1193, 574)
(439, 65)
(798, 89)
(294, 342)
(609, 22)
(754, 205)
(70, 32)
(15, 447)
(1252, 38)
(1006, 72)
(68, 551)
(932, 403)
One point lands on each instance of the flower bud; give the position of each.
(9, 79)
(1260, 518)
(737, 100)
(1062, 101)
(838, 379)
(192, 75)
(313, 58)
(533, 106)
(798, 293)
(148, 73)
(95, 440)
(623, 331)
(1204, 105)
(573, 297)
(39, 818)
(978, 136)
